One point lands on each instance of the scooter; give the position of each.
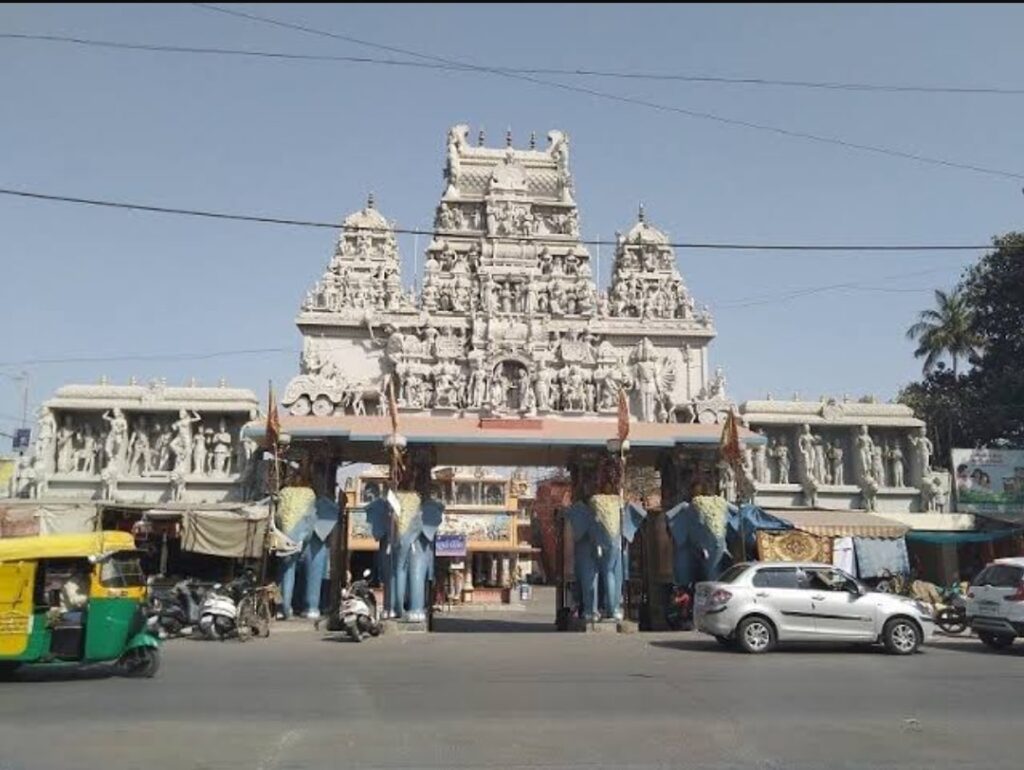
(218, 614)
(175, 612)
(359, 613)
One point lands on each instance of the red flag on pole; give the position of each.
(623, 415)
(273, 421)
(731, 451)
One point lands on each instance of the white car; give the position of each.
(995, 603)
(756, 605)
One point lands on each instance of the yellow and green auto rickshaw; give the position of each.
(74, 598)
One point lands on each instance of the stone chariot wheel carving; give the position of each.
(323, 406)
(301, 407)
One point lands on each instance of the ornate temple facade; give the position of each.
(509, 347)
(141, 444)
(509, 321)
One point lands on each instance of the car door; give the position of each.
(839, 613)
(779, 591)
(988, 592)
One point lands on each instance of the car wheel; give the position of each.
(901, 636)
(995, 641)
(755, 635)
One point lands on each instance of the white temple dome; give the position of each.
(643, 232)
(367, 218)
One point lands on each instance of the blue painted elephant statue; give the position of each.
(297, 514)
(602, 529)
(408, 561)
(698, 531)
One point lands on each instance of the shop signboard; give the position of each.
(450, 545)
(990, 481)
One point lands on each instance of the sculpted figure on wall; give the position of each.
(47, 434)
(865, 454)
(139, 457)
(66, 446)
(923, 449)
(199, 451)
(115, 446)
(895, 457)
(878, 465)
(835, 457)
(181, 444)
(85, 455)
(805, 445)
(221, 464)
(780, 453)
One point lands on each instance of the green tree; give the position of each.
(987, 404)
(945, 330)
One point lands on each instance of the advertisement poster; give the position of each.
(989, 481)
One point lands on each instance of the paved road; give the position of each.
(521, 700)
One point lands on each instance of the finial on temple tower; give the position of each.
(369, 200)
(640, 213)
(508, 136)
(533, 140)
(480, 138)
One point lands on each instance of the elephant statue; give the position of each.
(408, 561)
(602, 529)
(296, 512)
(698, 529)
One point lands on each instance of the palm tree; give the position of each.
(944, 330)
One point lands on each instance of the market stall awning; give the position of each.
(917, 536)
(842, 523)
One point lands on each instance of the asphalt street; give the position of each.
(506, 691)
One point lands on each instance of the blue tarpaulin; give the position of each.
(961, 537)
(752, 518)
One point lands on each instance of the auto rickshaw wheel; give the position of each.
(7, 668)
(140, 663)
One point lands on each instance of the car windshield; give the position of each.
(730, 575)
(1000, 576)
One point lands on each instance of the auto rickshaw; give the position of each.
(74, 599)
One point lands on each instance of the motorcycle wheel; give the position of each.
(207, 628)
(951, 621)
(246, 621)
(224, 626)
(354, 633)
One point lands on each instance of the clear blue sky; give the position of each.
(308, 140)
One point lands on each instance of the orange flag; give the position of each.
(731, 439)
(273, 421)
(623, 415)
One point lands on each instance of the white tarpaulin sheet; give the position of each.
(234, 533)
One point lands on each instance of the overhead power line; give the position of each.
(404, 231)
(778, 130)
(574, 72)
(116, 358)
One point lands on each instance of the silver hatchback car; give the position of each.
(755, 605)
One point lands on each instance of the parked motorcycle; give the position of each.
(679, 613)
(359, 613)
(175, 612)
(229, 610)
(951, 616)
